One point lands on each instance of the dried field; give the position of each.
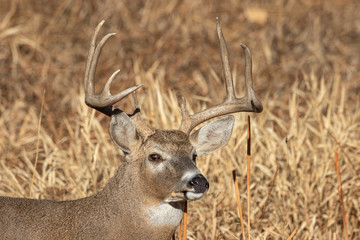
(306, 57)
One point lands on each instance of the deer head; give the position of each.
(162, 160)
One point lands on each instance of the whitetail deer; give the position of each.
(145, 198)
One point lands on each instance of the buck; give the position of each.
(145, 199)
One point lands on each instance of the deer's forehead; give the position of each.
(170, 139)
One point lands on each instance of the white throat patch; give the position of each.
(166, 214)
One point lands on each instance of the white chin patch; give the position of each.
(193, 196)
(165, 214)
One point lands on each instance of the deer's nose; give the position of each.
(199, 184)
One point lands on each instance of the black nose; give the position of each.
(199, 184)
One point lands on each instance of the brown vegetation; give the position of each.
(306, 58)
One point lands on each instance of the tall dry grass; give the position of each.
(306, 58)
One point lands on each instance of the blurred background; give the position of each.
(305, 66)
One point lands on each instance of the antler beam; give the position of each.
(232, 104)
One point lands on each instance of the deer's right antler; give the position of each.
(102, 102)
(232, 104)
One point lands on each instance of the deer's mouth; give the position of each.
(193, 195)
(184, 196)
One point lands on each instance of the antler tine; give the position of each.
(250, 93)
(230, 92)
(232, 104)
(102, 102)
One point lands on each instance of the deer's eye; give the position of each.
(194, 157)
(154, 157)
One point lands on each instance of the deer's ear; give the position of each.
(212, 136)
(123, 132)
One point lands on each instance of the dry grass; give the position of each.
(306, 58)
